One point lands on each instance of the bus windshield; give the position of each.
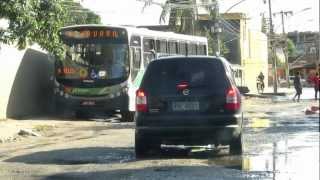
(94, 62)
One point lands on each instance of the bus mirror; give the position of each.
(243, 89)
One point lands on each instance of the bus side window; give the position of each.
(182, 48)
(163, 46)
(136, 60)
(172, 47)
(188, 49)
(157, 46)
(192, 49)
(148, 46)
(201, 50)
(196, 51)
(204, 49)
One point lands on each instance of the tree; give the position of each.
(38, 21)
(181, 20)
(76, 14)
(292, 51)
(32, 21)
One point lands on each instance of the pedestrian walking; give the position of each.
(315, 80)
(298, 87)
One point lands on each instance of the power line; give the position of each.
(188, 4)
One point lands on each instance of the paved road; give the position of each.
(280, 142)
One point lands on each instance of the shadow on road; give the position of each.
(74, 156)
(107, 155)
(155, 172)
(158, 172)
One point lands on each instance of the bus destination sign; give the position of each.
(90, 33)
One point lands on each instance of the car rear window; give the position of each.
(163, 75)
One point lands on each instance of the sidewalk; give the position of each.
(8, 130)
(269, 92)
(12, 129)
(284, 93)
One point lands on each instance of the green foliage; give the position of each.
(292, 51)
(181, 20)
(38, 21)
(32, 21)
(76, 14)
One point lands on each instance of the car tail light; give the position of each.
(182, 85)
(233, 101)
(141, 101)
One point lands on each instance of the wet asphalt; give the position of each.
(280, 142)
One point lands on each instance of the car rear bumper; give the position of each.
(190, 130)
(191, 136)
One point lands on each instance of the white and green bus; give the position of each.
(103, 65)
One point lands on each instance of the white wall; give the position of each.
(10, 59)
(25, 89)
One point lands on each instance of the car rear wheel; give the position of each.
(236, 146)
(145, 147)
(127, 116)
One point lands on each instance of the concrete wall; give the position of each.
(26, 85)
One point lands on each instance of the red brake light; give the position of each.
(141, 101)
(182, 85)
(233, 101)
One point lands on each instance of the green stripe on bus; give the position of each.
(138, 79)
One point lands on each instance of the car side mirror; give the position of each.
(243, 89)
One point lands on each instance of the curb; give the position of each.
(265, 95)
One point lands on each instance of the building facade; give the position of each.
(247, 48)
(306, 59)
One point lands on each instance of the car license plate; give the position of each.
(88, 103)
(185, 106)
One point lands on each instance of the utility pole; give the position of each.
(271, 43)
(284, 44)
(215, 28)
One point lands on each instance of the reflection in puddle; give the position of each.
(280, 98)
(259, 123)
(287, 162)
(290, 159)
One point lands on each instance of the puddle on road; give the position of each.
(259, 123)
(293, 159)
(280, 98)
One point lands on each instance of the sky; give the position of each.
(129, 12)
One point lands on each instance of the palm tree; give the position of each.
(183, 17)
